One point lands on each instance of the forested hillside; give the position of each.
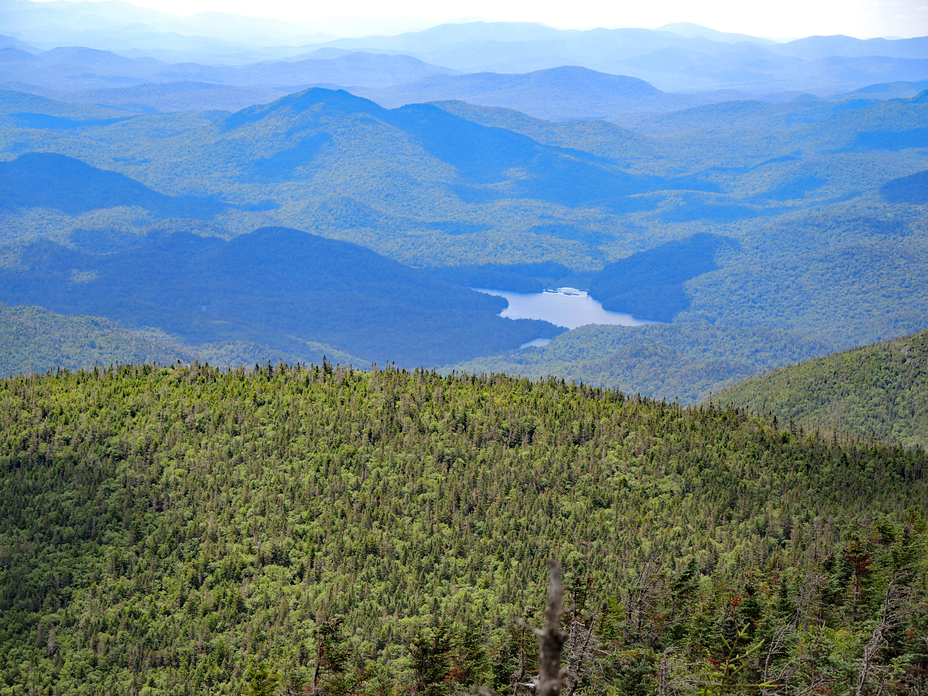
(684, 361)
(803, 215)
(184, 530)
(880, 390)
(34, 340)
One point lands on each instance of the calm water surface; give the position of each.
(567, 307)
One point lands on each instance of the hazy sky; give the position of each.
(772, 18)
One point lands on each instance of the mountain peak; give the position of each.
(337, 99)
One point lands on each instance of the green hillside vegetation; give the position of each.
(879, 390)
(184, 530)
(33, 340)
(685, 361)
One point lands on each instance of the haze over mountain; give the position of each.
(554, 94)
(208, 47)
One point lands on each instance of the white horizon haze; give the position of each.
(775, 19)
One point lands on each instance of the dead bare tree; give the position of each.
(640, 601)
(551, 638)
(891, 612)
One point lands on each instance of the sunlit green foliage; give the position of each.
(879, 390)
(186, 530)
(34, 340)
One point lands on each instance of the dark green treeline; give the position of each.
(190, 530)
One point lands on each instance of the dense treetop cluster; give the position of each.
(189, 530)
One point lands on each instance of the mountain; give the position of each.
(691, 31)
(683, 362)
(670, 61)
(813, 47)
(822, 228)
(118, 26)
(215, 531)
(879, 390)
(169, 97)
(46, 180)
(554, 94)
(34, 340)
(478, 163)
(65, 71)
(650, 283)
(596, 137)
(275, 287)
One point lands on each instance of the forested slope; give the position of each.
(184, 530)
(34, 340)
(879, 390)
(684, 361)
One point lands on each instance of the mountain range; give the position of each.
(723, 216)
(40, 53)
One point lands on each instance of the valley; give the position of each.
(663, 224)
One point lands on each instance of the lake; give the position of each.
(567, 307)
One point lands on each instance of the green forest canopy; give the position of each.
(879, 390)
(189, 530)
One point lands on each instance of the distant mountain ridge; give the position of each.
(228, 49)
(553, 94)
(47, 180)
(74, 69)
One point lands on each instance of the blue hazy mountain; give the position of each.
(51, 181)
(489, 163)
(553, 94)
(121, 26)
(75, 69)
(210, 46)
(666, 59)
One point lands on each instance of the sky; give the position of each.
(784, 19)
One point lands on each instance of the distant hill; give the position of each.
(684, 59)
(554, 94)
(683, 361)
(168, 97)
(600, 138)
(813, 47)
(35, 340)
(299, 135)
(649, 284)
(691, 31)
(66, 71)
(879, 390)
(47, 180)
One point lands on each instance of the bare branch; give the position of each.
(551, 640)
